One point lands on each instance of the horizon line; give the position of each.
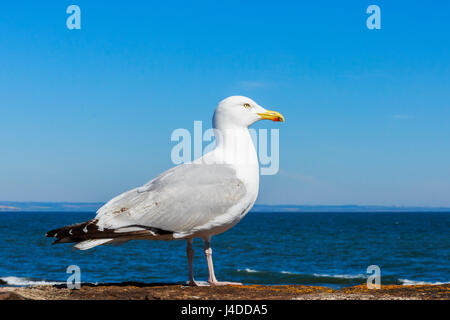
(67, 206)
(256, 204)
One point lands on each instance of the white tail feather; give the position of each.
(88, 244)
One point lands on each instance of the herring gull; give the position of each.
(193, 200)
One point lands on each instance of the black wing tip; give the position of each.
(50, 234)
(66, 232)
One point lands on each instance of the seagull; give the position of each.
(198, 199)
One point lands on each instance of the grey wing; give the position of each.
(180, 199)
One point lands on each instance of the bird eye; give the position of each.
(247, 105)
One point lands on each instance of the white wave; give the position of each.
(288, 272)
(247, 270)
(407, 282)
(16, 281)
(340, 276)
(325, 275)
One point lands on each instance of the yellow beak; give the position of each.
(271, 115)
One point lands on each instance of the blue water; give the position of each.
(330, 249)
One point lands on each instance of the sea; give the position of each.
(271, 248)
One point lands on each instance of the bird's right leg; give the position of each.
(212, 278)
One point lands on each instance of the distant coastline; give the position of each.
(14, 206)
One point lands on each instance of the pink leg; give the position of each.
(212, 278)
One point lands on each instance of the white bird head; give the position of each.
(241, 112)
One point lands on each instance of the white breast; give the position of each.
(238, 151)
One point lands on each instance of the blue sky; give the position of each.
(87, 114)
